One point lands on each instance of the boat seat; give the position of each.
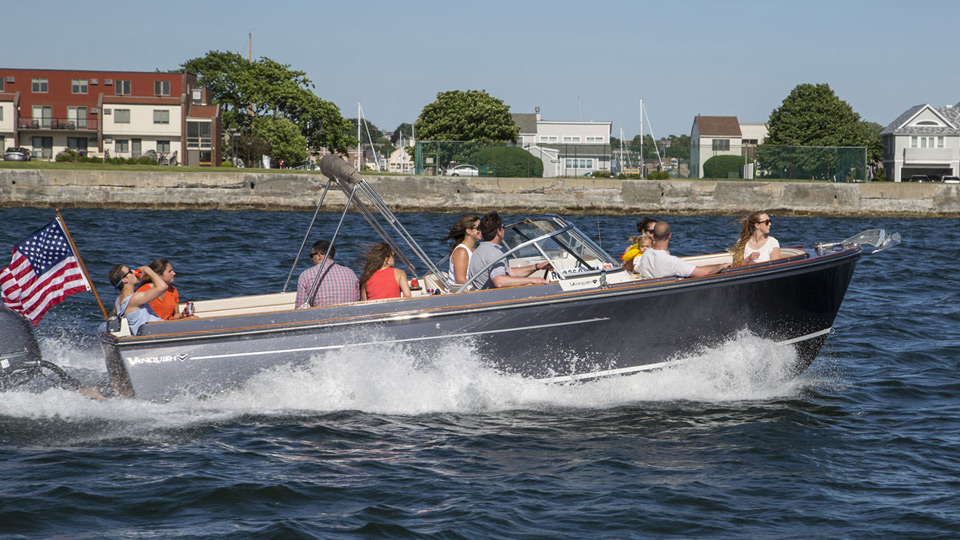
(242, 305)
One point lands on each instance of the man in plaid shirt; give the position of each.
(338, 286)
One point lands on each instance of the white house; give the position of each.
(722, 135)
(400, 161)
(924, 140)
(566, 147)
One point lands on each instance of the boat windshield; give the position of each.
(571, 252)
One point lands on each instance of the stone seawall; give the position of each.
(287, 191)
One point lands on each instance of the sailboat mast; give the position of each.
(359, 142)
(642, 162)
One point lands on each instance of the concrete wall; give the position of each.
(271, 191)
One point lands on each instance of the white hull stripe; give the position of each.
(659, 365)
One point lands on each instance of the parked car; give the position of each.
(463, 170)
(950, 179)
(919, 178)
(15, 153)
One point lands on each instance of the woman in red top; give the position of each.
(379, 278)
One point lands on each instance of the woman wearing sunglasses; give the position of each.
(132, 304)
(465, 235)
(755, 243)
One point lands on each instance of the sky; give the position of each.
(575, 60)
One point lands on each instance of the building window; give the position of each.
(43, 147)
(1, 120)
(579, 163)
(42, 116)
(199, 135)
(76, 117)
(39, 86)
(121, 146)
(123, 88)
(161, 116)
(1, 89)
(163, 147)
(79, 86)
(78, 143)
(161, 88)
(721, 145)
(595, 140)
(926, 142)
(571, 139)
(121, 116)
(548, 138)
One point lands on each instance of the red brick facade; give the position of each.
(56, 109)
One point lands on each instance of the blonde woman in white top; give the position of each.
(755, 243)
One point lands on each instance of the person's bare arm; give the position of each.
(709, 269)
(461, 263)
(149, 295)
(402, 281)
(504, 280)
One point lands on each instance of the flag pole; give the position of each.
(82, 266)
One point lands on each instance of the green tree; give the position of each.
(679, 147)
(247, 91)
(473, 115)
(722, 166)
(875, 148)
(286, 141)
(404, 128)
(504, 161)
(812, 115)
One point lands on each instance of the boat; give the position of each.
(581, 325)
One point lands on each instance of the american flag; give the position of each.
(43, 272)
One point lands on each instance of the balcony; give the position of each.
(58, 124)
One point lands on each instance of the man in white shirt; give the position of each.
(490, 251)
(657, 261)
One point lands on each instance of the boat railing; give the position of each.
(351, 183)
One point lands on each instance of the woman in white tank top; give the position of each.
(755, 243)
(465, 234)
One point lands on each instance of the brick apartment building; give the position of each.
(109, 113)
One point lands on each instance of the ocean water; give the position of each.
(386, 444)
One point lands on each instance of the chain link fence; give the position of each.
(724, 159)
(826, 163)
(510, 160)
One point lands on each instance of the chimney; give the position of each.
(537, 109)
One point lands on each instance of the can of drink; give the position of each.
(138, 273)
(188, 309)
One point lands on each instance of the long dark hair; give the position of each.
(373, 261)
(747, 225)
(459, 230)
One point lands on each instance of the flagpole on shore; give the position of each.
(83, 267)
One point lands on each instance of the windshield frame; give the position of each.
(605, 263)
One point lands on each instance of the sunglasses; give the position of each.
(119, 284)
(765, 222)
(649, 231)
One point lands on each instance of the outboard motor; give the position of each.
(20, 360)
(18, 345)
